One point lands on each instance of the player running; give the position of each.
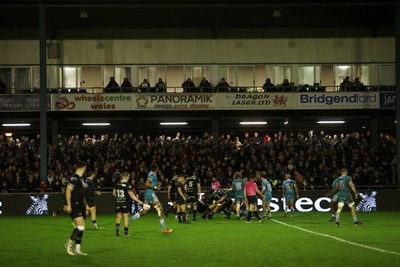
(150, 198)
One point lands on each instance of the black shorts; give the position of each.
(191, 199)
(78, 210)
(123, 209)
(91, 203)
(180, 201)
(252, 200)
(173, 198)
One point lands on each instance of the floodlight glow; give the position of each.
(8, 134)
(173, 123)
(96, 124)
(16, 124)
(330, 122)
(253, 122)
(286, 123)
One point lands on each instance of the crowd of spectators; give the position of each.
(314, 160)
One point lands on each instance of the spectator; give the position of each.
(205, 85)
(268, 86)
(346, 84)
(126, 86)
(223, 86)
(144, 86)
(161, 87)
(188, 86)
(112, 86)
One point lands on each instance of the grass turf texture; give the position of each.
(39, 241)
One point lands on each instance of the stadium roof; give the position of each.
(198, 19)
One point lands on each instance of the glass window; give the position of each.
(245, 77)
(342, 72)
(175, 77)
(36, 77)
(362, 72)
(22, 78)
(143, 74)
(309, 75)
(231, 76)
(71, 77)
(53, 77)
(279, 73)
(107, 73)
(5, 76)
(119, 73)
(387, 74)
(91, 79)
(260, 76)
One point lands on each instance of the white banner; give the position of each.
(338, 100)
(256, 100)
(95, 102)
(175, 101)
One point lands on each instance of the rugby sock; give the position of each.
(355, 219)
(337, 219)
(162, 224)
(249, 216)
(194, 214)
(333, 215)
(78, 247)
(256, 214)
(117, 228)
(126, 231)
(179, 214)
(136, 216)
(78, 240)
(74, 234)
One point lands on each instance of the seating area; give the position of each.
(313, 160)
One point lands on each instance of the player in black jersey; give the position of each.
(124, 194)
(76, 207)
(180, 196)
(63, 204)
(220, 198)
(193, 190)
(89, 197)
(171, 194)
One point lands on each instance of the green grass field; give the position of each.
(39, 241)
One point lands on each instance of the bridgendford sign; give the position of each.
(340, 100)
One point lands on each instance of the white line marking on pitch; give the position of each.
(339, 239)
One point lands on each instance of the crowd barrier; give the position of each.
(44, 204)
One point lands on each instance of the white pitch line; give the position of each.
(340, 239)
